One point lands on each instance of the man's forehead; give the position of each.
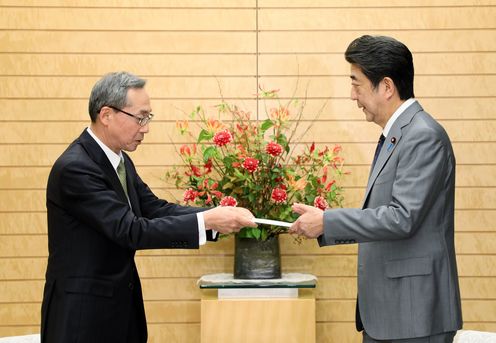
(138, 97)
(356, 72)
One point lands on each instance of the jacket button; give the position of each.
(131, 286)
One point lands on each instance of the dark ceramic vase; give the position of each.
(255, 259)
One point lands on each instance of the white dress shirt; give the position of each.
(396, 115)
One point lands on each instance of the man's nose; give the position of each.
(353, 95)
(145, 128)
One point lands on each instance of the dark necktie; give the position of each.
(121, 172)
(378, 149)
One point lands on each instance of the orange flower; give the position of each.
(214, 125)
(280, 114)
(182, 126)
(296, 185)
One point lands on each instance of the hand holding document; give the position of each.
(310, 223)
(228, 219)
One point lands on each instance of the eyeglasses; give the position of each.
(142, 121)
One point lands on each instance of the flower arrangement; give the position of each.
(257, 164)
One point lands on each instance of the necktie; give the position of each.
(121, 172)
(378, 149)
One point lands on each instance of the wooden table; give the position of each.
(258, 318)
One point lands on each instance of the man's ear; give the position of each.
(389, 87)
(105, 115)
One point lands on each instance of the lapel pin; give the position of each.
(390, 145)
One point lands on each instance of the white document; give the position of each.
(272, 222)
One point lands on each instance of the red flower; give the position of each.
(190, 195)
(321, 153)
(250, 164)
(209, 199)
(324, 176)
(337, 149)
(223, 137)
(228, 201)
(312, 147)
(320, 202)
(185, 150)
(196, 171)
(329, 185)
(273, 149)
(279, 195)
(208, 166)
(217, 194)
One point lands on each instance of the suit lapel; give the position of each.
(393, 139)
(97, 155)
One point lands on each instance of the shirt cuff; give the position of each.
(202, 234)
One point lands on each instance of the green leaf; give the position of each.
(264, 235)
(210, 152)
(244, 233)
(256, 232)
(252, 197)
(239, 174)
(249, 232)
(205, 136)
(228, 185)
(267, 124)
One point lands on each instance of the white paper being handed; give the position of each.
(272, 222)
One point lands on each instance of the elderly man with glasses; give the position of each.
(100, 212)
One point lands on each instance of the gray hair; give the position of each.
(111, 90)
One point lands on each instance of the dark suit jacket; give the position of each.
(92, 292)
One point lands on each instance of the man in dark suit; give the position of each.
(407, 276)
(100, 212)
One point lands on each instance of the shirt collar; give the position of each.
(396, 115)
(114, 158)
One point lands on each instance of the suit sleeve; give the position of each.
(401, 194)
(154, 207)
(86, 194)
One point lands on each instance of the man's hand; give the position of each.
(227, 219)
(310, 223)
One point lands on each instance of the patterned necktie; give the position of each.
(378, 149)
(121, 172)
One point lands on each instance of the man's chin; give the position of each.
(132, 147)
